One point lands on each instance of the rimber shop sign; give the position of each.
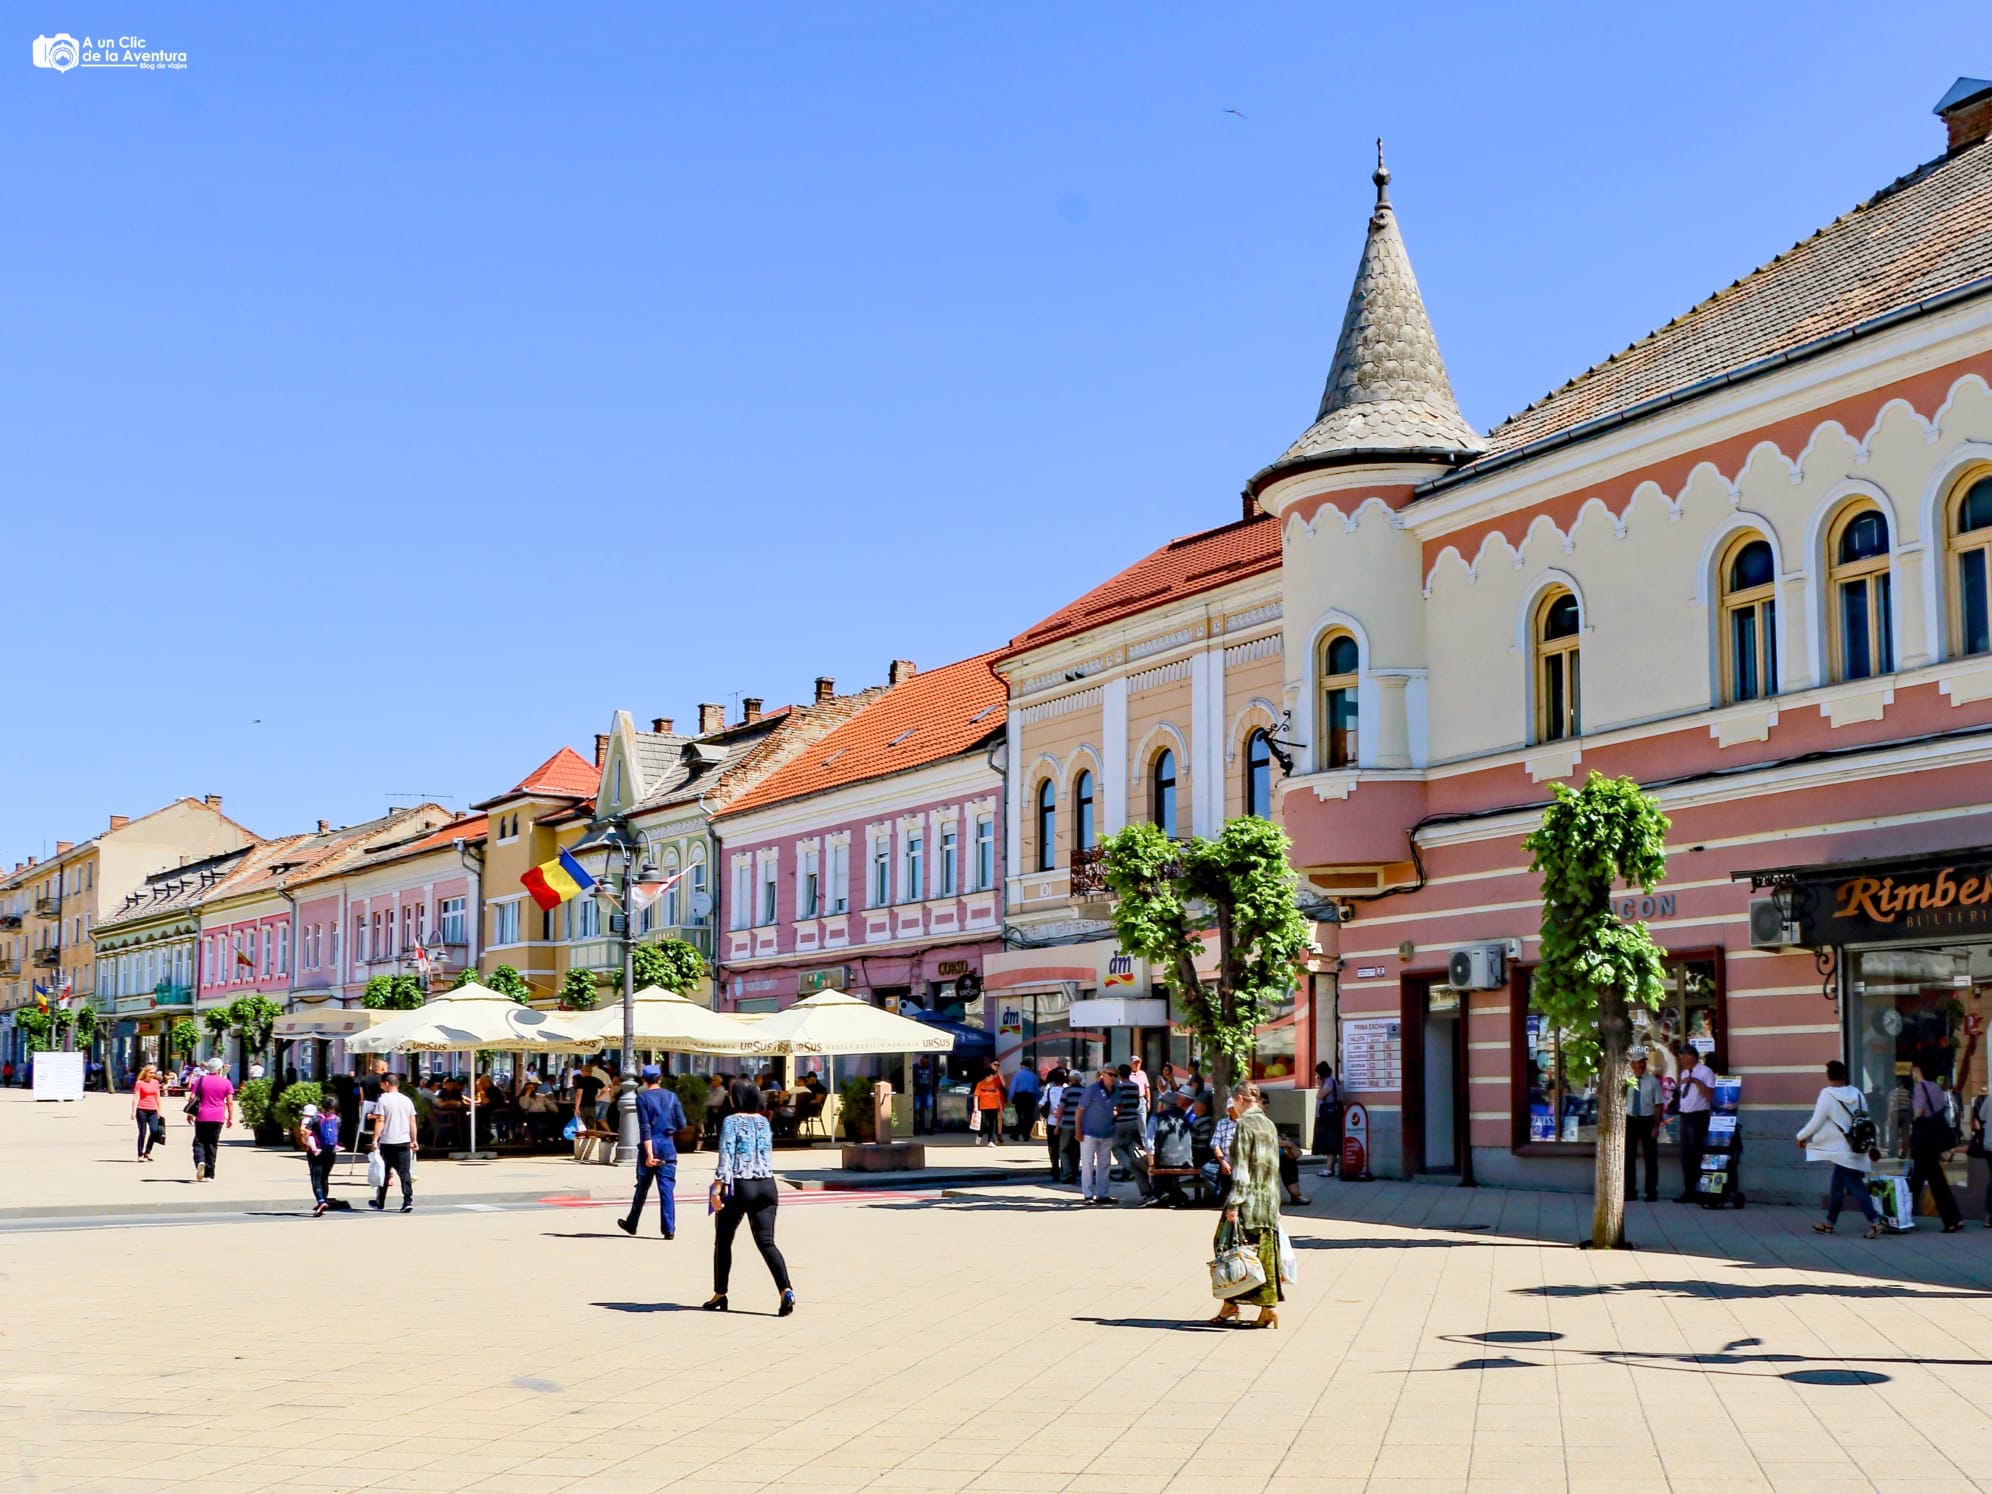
(1878, 904)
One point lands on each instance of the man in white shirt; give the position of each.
(1693, 1102)
(394, 1139)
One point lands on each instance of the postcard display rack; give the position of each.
(1720, 1185)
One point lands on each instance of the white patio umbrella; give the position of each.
(464, 1020)
(665, 1021)
(834, 1022)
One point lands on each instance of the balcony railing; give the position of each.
(1089, 872)
(166, 994)
(606, 953)
(10, 922)
(48, 907)
(49, 956)
(9, 965)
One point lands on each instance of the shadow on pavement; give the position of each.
(1168, 1325)
(1738, 1291)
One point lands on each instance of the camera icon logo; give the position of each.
(58, 51)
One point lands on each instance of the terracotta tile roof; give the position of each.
(1929, 232)
(927, 719)
(1181, 568)
(566, 775)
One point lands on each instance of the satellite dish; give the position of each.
(701, 905)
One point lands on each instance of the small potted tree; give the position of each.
(691, 1090)
(253, 1100)
(854, 1105)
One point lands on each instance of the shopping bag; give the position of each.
(571, 1130)
(1236, 1270)
(1891, 1192)
(1289, 1268)
(376, 1170)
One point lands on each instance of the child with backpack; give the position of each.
(1841, 1132)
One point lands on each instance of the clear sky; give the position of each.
(394, 393)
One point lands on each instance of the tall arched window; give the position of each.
(1859, 594)
(1337, 730)
(1047, 826)
(1971, 567)
(1258, 776)
(1163, 803)
(1559, 687)
(1749, 621)
(1082, 812)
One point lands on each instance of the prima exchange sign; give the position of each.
(1879, 904)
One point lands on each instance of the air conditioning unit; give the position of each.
(1769, 928)
(1478, 967)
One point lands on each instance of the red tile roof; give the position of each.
(566, 773)
(470, 827)
(1181, 568)
(923, 720)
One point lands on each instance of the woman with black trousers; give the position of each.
(1929, 1139)
(743, 1186)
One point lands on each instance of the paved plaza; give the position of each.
(999, 1338)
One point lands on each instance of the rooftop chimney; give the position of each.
(601, 748)
(902, 670)
(1966, 111)
(64, 846)
(712, 718)
(119, 821)
(750, 709)
(661, 725)
(324, 826)
(826, 688)
(213, 801)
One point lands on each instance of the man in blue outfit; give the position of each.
(659, 1118)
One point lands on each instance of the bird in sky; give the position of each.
(1239, 112)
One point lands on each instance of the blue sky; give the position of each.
(388, 398)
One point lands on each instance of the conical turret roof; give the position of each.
(1388, 394)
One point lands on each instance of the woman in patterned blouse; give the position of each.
(1252, 1207)
(744, 1186)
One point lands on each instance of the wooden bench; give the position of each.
(595, 1145)
(1200, 1185)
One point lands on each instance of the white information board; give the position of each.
(58, 1076)
(1372, 1054)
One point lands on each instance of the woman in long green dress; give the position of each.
(1252, 1211)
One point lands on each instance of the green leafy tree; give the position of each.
(184, 1037)
(1596, 968)
(392, 993)
(670, 964)
(1168, 893)
(578, 990)
(291, 1102)
(253, 1100)
(465, 977)
(253, 1019)
(83, 1021)
(508, 982)
(37, 1028)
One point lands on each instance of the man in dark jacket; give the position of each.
(1130, 1136)
(1174, 1146)
(659, 1118)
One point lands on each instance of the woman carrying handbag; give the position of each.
(1251, 1218)
(743, 1187)
(1931, 1139)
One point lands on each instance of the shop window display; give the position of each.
(1918, 1006)
(1563, 1109)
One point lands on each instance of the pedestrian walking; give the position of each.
(659, 1119)
(211, 1103)
(1976, 1148)
(1093, 1123)
(145, 1090)
(1025, 1086)
(1328, 1119)
(743, 1187)
(1694, 1099)
(1066, 1134)
(1642, 1128)
(394, 1139)
(1131, 1132)
(1251, 1217)
(1839, 1118)
(989, 1108)
(319, 1131)
(1932, 1139)
(1054, 1090)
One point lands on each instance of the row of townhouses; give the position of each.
(1746, 560)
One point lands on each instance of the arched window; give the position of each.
(1336, 734)
(1082, 812)
(1258, 775)
(1047, 826)
(1971, 568)
(1559, 692)
(1749, 621)
(1164, 793)
(1859, 594)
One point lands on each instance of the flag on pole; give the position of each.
(67, 989)
(245, 959)
(643, 894)
(422, 961)
(553, 882)
(41, 996)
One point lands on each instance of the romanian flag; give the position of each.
(554, 882)
(245, 959)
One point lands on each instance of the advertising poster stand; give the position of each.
(1720, 1184)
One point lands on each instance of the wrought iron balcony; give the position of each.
(9, 965)
(49, 956)
(48, 907)
(10, 922)
(167, 994)
(1089, 873)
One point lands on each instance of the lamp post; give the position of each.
(628, 1148)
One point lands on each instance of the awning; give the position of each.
(1120, 1011)
(334, 1022)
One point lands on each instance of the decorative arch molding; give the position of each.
(1825, 513)
(1085, 755)
(1256, 714)
(1308, 523)
(1150, 744)
(1043, 766)
(1708, 585)
(1935, 532)
(1548, 581)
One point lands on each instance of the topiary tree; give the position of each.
(37, 1028)
(392, 993)
(578, 990)
(508, 982)
(253, 1100)
(253, 1019)
(1167, 894)
(670, 964)
(83, 1022)
(463, 978)
(1594, 966)
(183, 1038)
(291, 1102)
